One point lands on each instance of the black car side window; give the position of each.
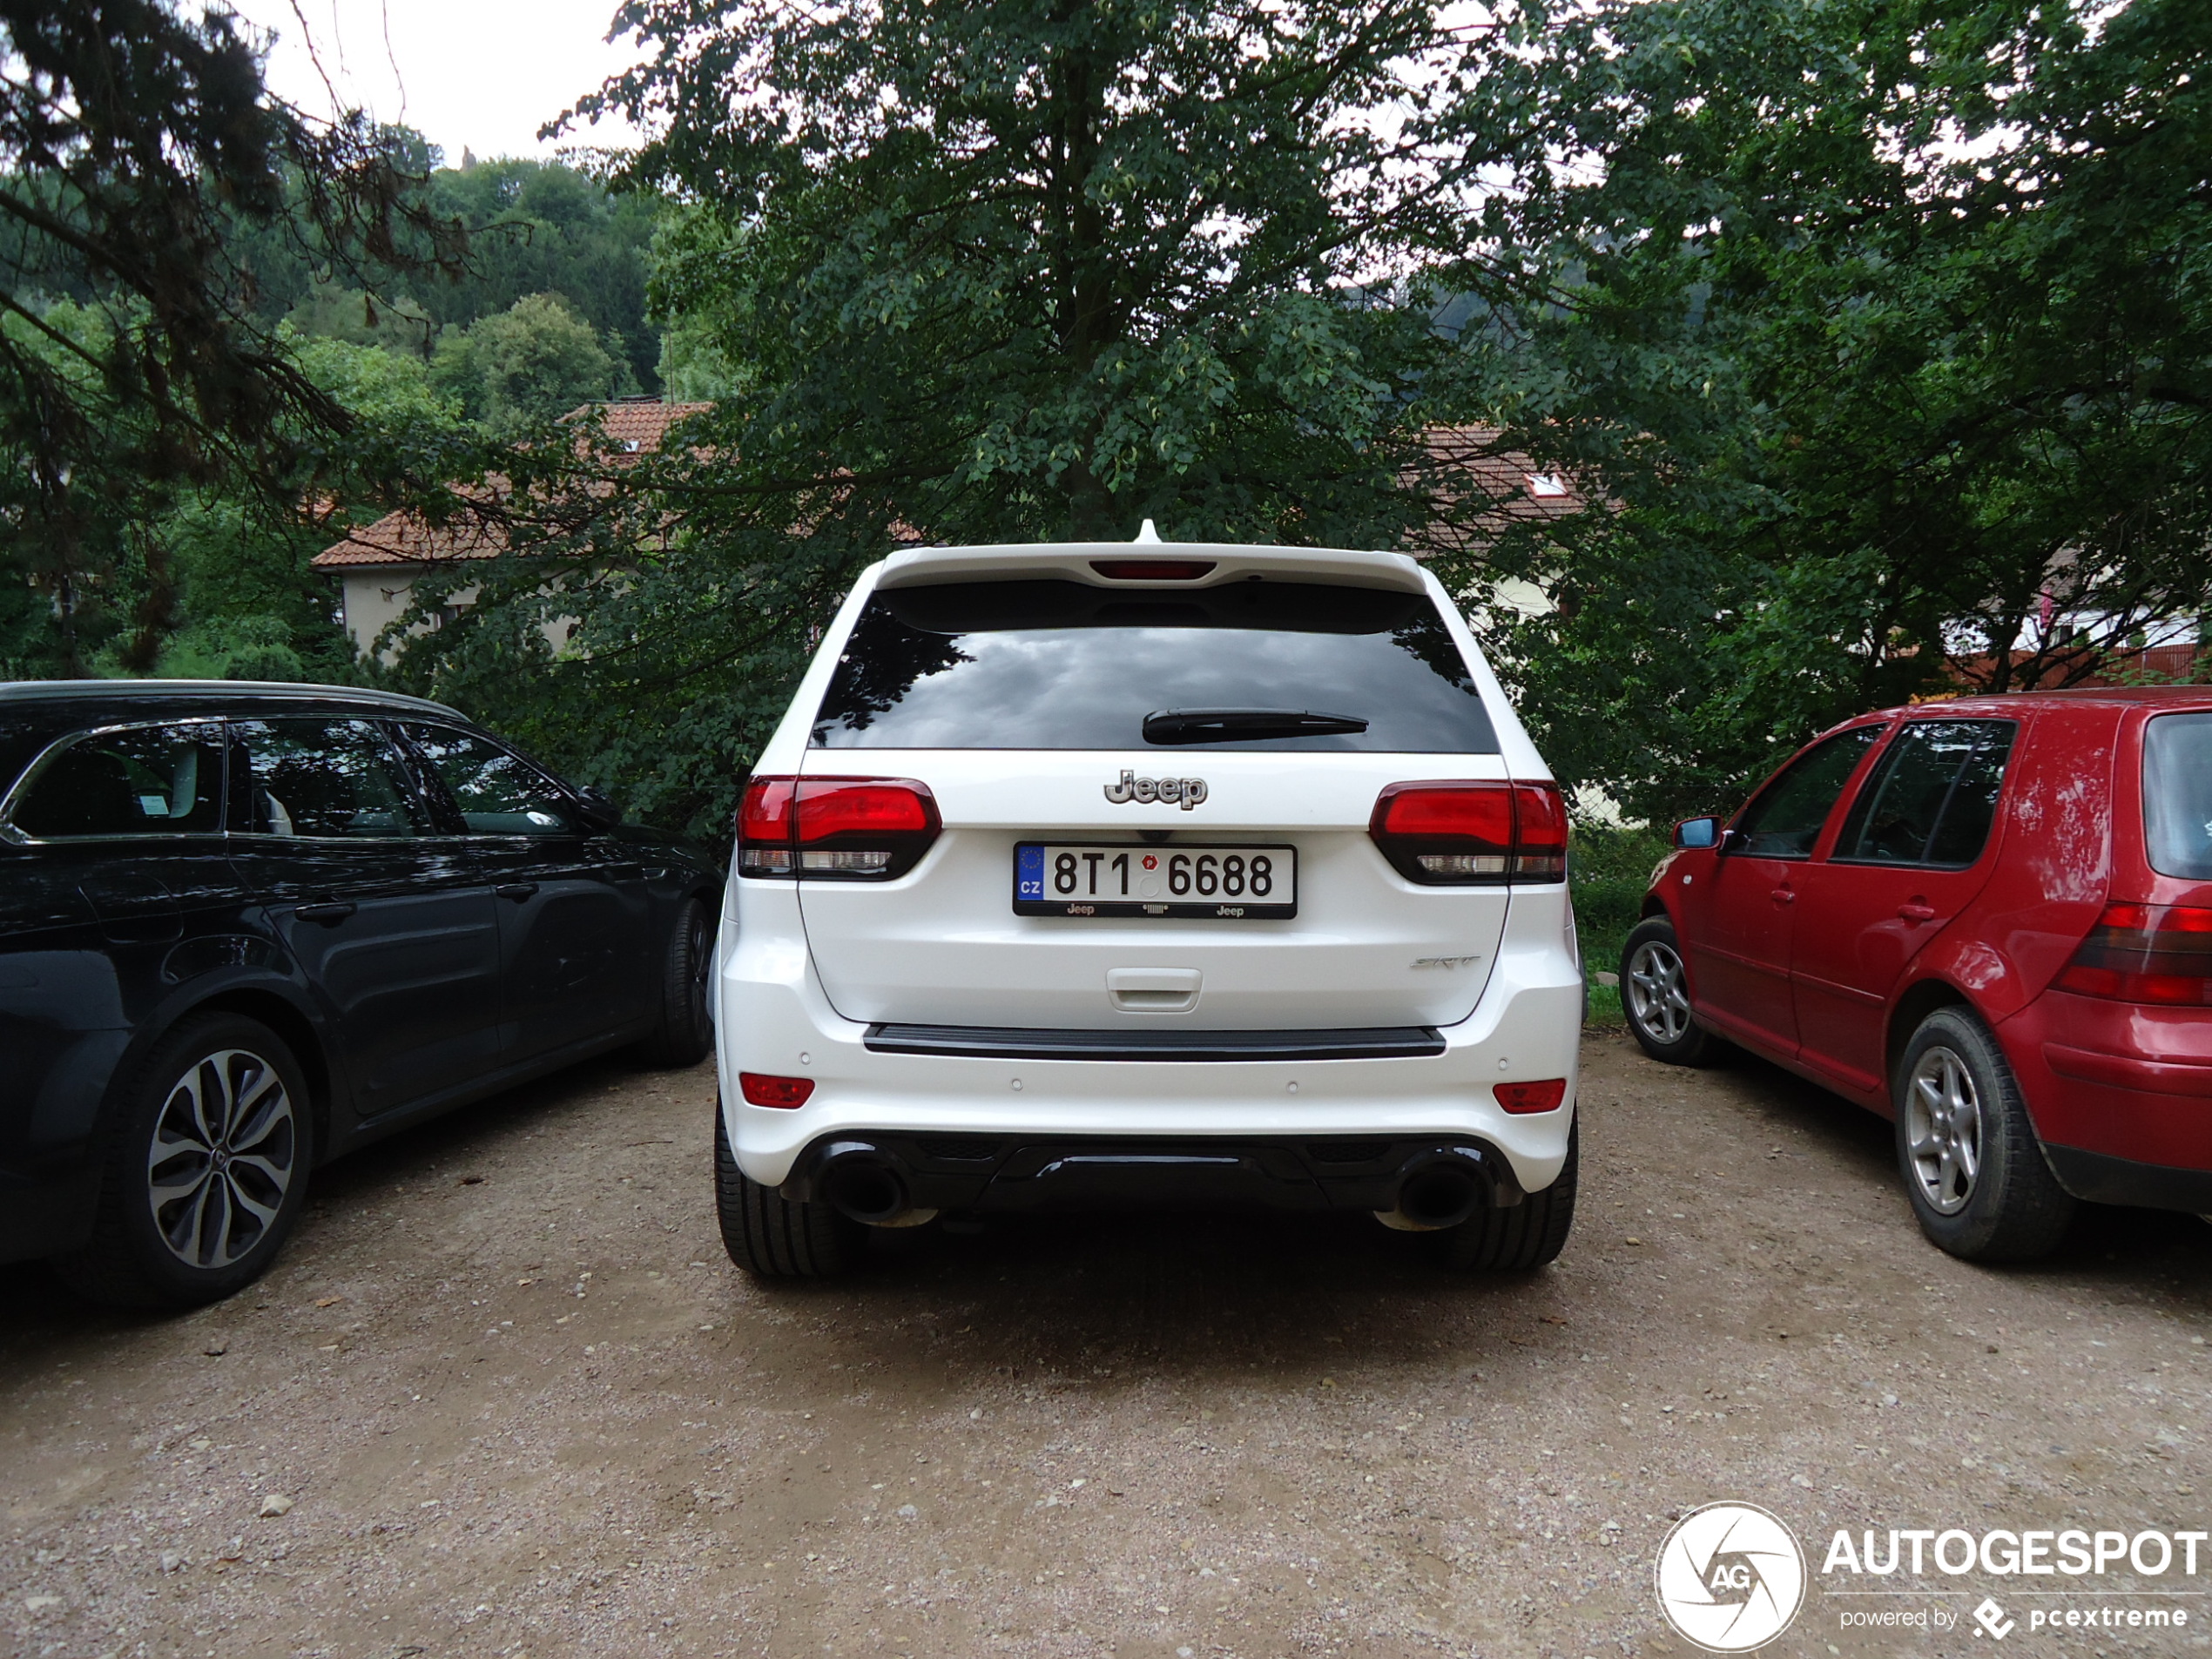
(1933, 797)
(145, 780)
(1784, 821)
(497, 791)
(326, 779)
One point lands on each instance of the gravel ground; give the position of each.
(510, 1398)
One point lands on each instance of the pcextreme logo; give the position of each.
(1730, 1577)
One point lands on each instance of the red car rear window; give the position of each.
(2177, 794)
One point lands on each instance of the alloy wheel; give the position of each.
(1943, 1129)
(1658, 995)
(224, 1154)
(702, 967)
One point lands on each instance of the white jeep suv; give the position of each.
(1141, 873)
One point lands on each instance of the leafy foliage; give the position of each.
(983, 274)
(133, 141)
(1889, 341)
(526, 365)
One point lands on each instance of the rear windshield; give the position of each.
(1052, 664)
(2177, 794)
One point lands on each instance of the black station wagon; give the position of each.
(246, 929)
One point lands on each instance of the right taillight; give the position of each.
(1465, 834)
(2146, 952)
(838, 829)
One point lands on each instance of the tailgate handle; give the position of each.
(1153, 990)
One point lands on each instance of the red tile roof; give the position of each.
(406, 538)
(1502, 487)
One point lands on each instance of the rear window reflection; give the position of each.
(1053, 664)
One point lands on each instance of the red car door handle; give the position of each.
(1783, 895)
(1917, 912)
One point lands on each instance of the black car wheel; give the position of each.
(1973, 1165)
(1527, 1235)
(206, 1172)
(770, 1236)
(1655, 994)
(685, 1032)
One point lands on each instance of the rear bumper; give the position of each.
(774, 1018)
(2101, 1179)
(2125, 1086)
(1026, 1173)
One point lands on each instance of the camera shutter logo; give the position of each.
(1730, 1577)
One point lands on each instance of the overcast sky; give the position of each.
(478, 74)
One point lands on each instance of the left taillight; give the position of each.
(1472, 834)
(2146, 952)
(835, 829)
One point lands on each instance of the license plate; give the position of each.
(1099, 879)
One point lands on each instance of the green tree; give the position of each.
(1888, 337)
(134, 143)
(997, 272)
(526, 365)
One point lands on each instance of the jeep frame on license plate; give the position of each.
(1121, 879)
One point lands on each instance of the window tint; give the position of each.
(1932, 797)
(1051, 665)
(2177, 794)
(498, 792)
(326, 778)
(1786, 821)
(154, 780)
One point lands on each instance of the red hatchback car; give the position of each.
(1989, 920)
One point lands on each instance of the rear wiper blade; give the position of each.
(1223, 726)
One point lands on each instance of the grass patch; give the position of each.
(1609, 873)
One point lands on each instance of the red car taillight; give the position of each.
(2146, 952)
(845, 829)
(784, 1093)
(1473, 833)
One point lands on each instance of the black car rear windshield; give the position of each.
(1054, 665)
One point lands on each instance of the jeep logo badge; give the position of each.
(1167, 791)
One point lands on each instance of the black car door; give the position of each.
(390, 922)
(574, 915)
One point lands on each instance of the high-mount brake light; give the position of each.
(2146, 952)
(838, 829)
(1152, 570)
(784, 1093)
(1449, 833)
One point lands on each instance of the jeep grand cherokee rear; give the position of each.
(1094, 873)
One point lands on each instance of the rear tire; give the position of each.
(205, 1175)
(1655, 994)
(685, 1032)
(770, 1237)
(1973, 1165)
(1528, 1234)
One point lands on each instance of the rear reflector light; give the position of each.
(1152, 570)
(1471, 834)
(864, 829)
(2146, 952)
(1520, 1098)
(761, 1089)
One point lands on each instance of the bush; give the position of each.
(1611, 872)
